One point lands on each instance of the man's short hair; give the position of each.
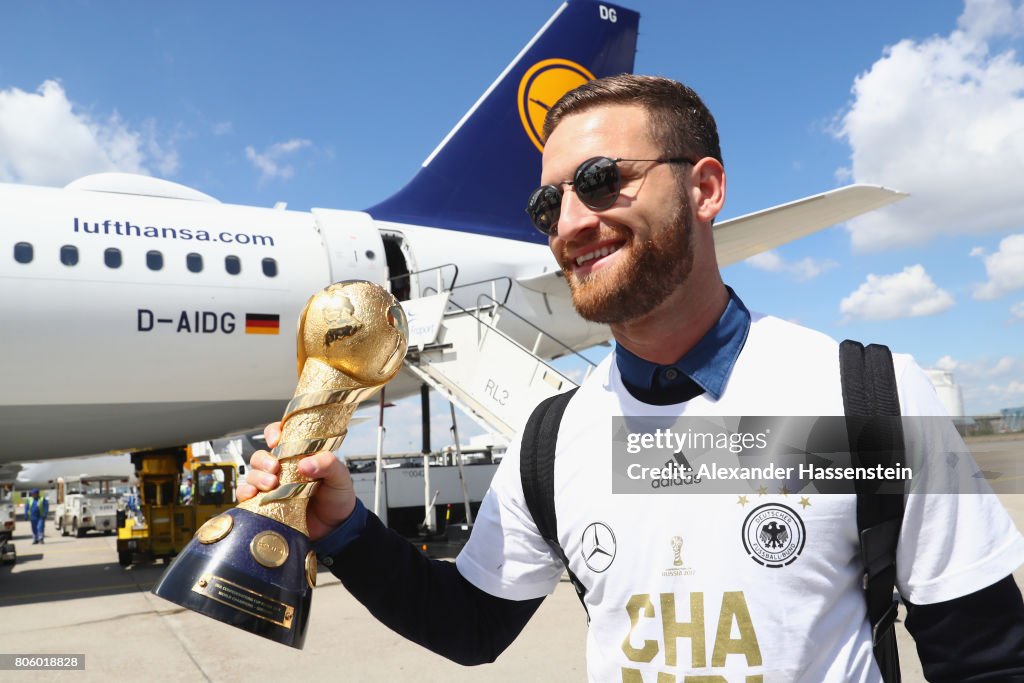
(679, 120)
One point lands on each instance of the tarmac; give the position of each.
(69, 596)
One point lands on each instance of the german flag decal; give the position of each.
(262, 323)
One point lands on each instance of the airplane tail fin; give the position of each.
(479, 177)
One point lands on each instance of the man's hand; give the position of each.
(334, 499)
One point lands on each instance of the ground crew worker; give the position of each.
(36, 509)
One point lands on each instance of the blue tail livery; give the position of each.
(477, 180)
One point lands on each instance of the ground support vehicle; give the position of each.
(160, 521)
(8, 517)
(86, 504)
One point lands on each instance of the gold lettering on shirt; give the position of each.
(693, 629)
(636, 605)
(734, 608)
(634, 676)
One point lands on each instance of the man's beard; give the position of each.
(655, 268)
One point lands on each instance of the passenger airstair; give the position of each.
(465, 356)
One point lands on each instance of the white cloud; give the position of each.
(947, 363)
(982, 19)
(223, 128)
(1017, 311)
(163, 155)
(1001, 368)
(802, 270)
(766, 260)
(993, 385)
(943, 119)
(270, 162)
(1000, 395)
(1005, 269)
(45, 141)
(1004, 365)
(910, 293)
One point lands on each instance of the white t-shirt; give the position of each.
(671, 588)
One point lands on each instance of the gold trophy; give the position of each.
(252, 566)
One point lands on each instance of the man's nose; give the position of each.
(574, 216)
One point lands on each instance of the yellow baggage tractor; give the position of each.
(161, 519)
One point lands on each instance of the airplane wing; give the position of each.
(740, 238)
(548, 282)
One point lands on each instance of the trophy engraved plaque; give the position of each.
(252, 566)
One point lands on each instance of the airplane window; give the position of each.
(23, 253)
(270, 267)
(194, 262)
(154, 260)
(233, 265)
(112, 257)
(69, 255)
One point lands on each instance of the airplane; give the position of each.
(44, 474)
(139, 313)
(237, 448)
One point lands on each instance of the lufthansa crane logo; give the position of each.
(598, 546)
(542, 85)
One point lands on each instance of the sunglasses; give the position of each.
(597, 183)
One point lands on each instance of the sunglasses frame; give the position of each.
(534, 213)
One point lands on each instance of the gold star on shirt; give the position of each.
(784, 491)
(806, 502)
(742, 501)
(762, 490)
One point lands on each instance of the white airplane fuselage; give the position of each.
(44, 475)
(95, 357)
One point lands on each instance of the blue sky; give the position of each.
(337, 104)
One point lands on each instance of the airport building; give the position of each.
(1013, 419)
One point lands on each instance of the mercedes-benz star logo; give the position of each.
(598, 546)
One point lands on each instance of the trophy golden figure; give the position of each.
(252, 566)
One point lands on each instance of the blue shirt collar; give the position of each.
(708, 363)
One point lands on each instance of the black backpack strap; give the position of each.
(537, 472)
(870, 392)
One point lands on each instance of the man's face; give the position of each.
(624, 261)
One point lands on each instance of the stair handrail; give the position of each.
(493, 282)
(591, 364)
(425, 291)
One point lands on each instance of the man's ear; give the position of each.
(708, 189)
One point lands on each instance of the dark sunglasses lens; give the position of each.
(597, 183)
(543, 208)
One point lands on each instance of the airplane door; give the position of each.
(401, 268)
(354, 246)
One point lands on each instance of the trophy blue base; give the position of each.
(249, 571)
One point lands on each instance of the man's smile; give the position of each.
(590, 258)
